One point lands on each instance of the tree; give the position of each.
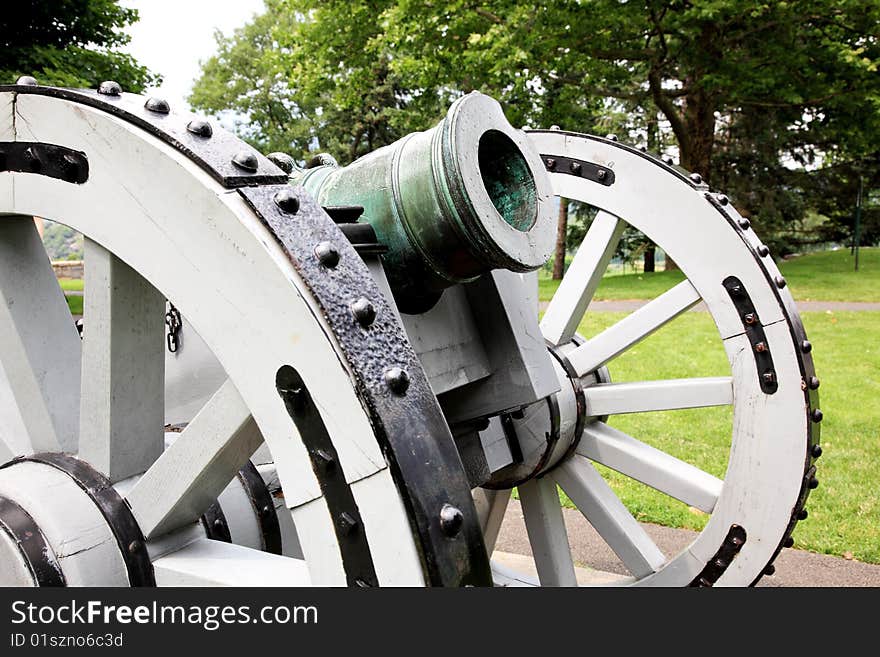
(70, 44)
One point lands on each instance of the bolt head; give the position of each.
(287, 201)
(327, 254)
(550, 163)
(363, 311)
(157, 105)
(802, 514)
(134, 547)
(814, 383)
(744, 223)
(347, 523)
(770, 569)
(601, 173)
(750, 318)
(789, 542)
(611, 137)
(397, 380)
(723, 200)
(326, 459)
(816, 451)
(33, 160)
(769, 376)
(817, 415)
(813, 483)
(761, 347)
(806, 346)
(763, 251)
(554, 127)
(575, 167)
(696, 178)
(246, 160)
(780, 282)
(283, 161)
(200, 128)
(27, 81)
(451, 520)
(669, 161)
(109, 88)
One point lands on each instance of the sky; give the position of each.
(173, 36)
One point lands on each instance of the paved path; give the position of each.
(793, 567)
(628, 305)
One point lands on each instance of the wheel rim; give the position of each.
(166, 223)
(771, 464)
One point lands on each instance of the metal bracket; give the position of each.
(264, 508)
(49, 160)
(215, 524)
(736, 538)
(580, 168)
(32, 544)
(755, 333)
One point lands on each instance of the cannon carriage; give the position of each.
(359, 374)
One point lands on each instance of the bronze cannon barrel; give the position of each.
(451, 203)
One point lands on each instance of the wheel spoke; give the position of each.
(491, 506)
(40, 349)
(603, 509)
(123, 377)
(213, 563)
(632, 329)
(189, 476)
(657, 469)
(547, 534)
(568, 305)
(643, 396)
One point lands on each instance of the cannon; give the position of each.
(336, 376)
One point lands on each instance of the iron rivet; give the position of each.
(813, 483)
(744, 223)
(720, 563)
(575, 167)
(705, 583)
(601, 173)
(134, 547)
(814, 383)
(817, 415)
(33, 160)
(723, 200)
(763, 251)
(643, 149)
(750, 318)
(265, 510)
(770, 569)
(295, 398)
(27, 81)
(736, 541)
(200, 127)
(347, 523)
(71, 167)
(554, 127)
(669, 161)
(363, 584)
(451, 520)
(550, 163)
(326, 459)
(157, 105)
(789, 542)
(816, 451)
(736, 290)
(611, 137)
(769, 376)
(109, 88)
(806, 347)
(287, 201)
(245, 160)
(780, 282)
(327, 254)
(282, 160)
(218, 523)
(761, 347)
(397, 380)
(802, 514)
(363, 311)
(696, 178)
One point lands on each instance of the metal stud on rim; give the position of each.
(164, 218)
(775, 427)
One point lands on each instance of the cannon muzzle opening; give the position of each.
(451, 203)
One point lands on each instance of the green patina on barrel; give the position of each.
(450, 203)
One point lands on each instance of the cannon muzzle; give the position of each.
(451, 203)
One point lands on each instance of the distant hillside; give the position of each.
(61, 242)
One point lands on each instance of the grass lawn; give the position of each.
(844, 511)
(826, 276)
(71, 284)
(75, 304)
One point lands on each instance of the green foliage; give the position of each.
(70, 44)
(61, 242)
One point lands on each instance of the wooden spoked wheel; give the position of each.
(173, 209)
(771, 386)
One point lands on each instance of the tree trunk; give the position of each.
(561, 232)
(650, 251)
